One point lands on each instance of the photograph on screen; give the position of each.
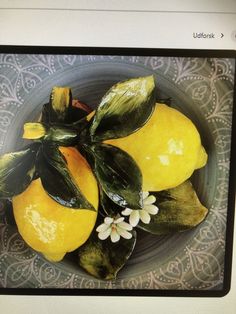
(115, 172)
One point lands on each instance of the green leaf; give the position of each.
(109, 208)
(61, 135)
(17, 171)
(45, 115)
(57, 180)
(104, 259)
(73, 115)
(60, 102)
(118, 175)
(64, 135)
(179, 210)
(34, 130)
(59, 105)
(124, 109)
(60, 108)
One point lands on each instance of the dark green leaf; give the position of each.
(17, 171)
(118, 174)
(60, 102)
(57, 180)
(58, 108)
(109, 208)
(179, 210)
(62, 135)
(61, 108)
(104, 259)
(82, 128)
(73, 115)
(34, 131)
(124, 109)
(77, 111)
(45, 115)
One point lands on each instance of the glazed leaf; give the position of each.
(124, 109)
(57, 180)
(73, 115)
(17, 171)
(104, 259)
(62, 135)
(34, 130)
(118, 175)
(45, 114)
(62, 109)
(59, 105)
(179, 210)
(109, 208)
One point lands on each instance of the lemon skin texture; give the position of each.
(49, 227)
(167, 149)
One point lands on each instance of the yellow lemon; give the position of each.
(49, 227)
(167, 149)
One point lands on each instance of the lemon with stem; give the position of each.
(167, 149)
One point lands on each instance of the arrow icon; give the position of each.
(222, 35)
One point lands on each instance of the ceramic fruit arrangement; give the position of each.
(88, 181)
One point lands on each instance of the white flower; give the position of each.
(115, 228)
(142, 214)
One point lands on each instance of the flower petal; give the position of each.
(105, 234)
(108, 220)
(127, 211)
(144, 216)
(134, 218)
(151, 209)
(125, 234)
(149, 200)
(118, 220)
(115, 237)
(124, 225)
(102, 227)
(145, 194)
